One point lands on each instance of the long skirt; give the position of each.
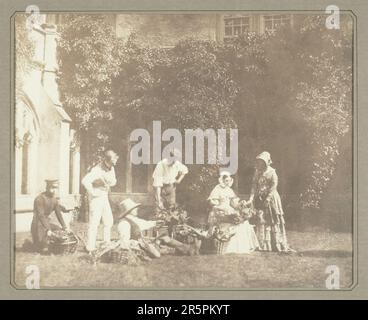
(234, 238)
(270, 226)
(244, 240)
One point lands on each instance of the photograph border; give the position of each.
(355, 157)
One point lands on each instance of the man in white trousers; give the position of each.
(98, 183)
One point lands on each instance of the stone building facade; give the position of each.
(44, 144)
(165, 30)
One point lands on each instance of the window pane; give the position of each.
(228, 22)
(228, 31)
(237, 21)
(268, 25)
(235, 26)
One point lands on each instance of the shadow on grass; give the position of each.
(327, 253)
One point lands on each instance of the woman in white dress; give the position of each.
(243, 238)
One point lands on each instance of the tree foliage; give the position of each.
(295, 99)
(24, 50)
(288, 92)
(87, 63)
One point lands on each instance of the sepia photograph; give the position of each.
(201, 150)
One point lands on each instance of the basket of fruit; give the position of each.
(125, 256)
(63, 242)
(171, 221)
(172, 216)
(221, 236)
(119, 255)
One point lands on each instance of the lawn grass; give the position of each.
(304, 270)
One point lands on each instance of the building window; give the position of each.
(236, 25)
(272, 22)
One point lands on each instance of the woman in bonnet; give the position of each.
(223, 200)
(222, 195)
(270, 227)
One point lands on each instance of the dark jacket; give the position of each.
(43, 206)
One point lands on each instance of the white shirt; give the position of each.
(124, 228)
(165, 174)
(99, 180)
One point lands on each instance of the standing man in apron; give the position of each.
(98, 183)
(169, 172)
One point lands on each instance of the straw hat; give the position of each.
(126, 206)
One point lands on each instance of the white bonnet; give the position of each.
(266, 157)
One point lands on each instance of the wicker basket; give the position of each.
(67, 244)
(118, 256)
(220, 246)
(123, 256)
(222, 236)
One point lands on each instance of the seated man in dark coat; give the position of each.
(43, 206)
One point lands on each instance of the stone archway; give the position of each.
(26, 147)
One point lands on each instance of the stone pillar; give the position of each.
(212, 27)
(220, 27)
(50, 85)
(64, 159)
(76, 171)
(51, 67)
(33, 164)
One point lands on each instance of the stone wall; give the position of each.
(43, 135)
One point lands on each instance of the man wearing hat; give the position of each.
(98, 183)
(169, 172)
(43, 206)
(130, 226)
